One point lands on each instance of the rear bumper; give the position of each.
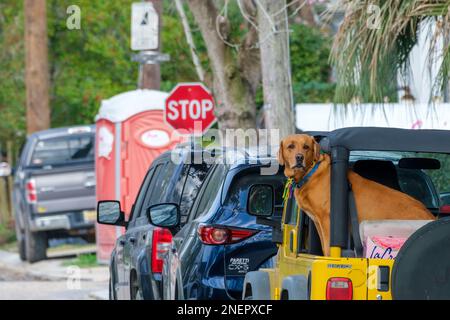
(65, 221)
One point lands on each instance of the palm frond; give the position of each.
(367, 54)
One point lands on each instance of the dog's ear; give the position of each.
(316, 150)
(280, 154)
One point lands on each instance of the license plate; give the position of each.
(90, 215)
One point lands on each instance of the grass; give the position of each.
(87, 260)
(7, 235)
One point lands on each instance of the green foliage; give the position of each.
(94, 63)
(311, 72)
(86, 260)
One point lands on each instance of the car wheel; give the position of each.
(22, 250)
(35, 246)
(20, 242)
(136, 292)
(111, 290)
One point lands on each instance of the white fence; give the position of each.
(327, 117)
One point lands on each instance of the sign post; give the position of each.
(190, 109)
(145, 38)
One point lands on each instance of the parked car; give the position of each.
(54, 189)
(220, 242)
(136, 260)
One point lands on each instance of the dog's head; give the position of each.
(297, 154)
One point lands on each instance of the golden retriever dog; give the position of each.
(300, 153)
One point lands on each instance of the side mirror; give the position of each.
(165, 215)
(261, 200)
(445, 209)
(110, 213)
(5, 169)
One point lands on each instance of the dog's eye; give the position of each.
(291, 146)
(306, 147)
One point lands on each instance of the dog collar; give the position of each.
(305, 179)
(291, 184)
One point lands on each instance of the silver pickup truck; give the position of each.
(54, 189)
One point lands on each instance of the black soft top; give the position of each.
(388, 139)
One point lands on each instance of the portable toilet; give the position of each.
(131, 133)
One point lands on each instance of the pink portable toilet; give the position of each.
(131, 133)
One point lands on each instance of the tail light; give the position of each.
(161, 242)
(31, 193)
(339, 289)
(223, 235)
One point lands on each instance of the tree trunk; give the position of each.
(275, 64)
(233, 85)
(36, 66)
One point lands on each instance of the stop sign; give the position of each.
(190, 108)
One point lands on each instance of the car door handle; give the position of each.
(132, 240)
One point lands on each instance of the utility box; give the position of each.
(131, 133)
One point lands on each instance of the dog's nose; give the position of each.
(299, 158)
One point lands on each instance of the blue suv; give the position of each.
(220, 241)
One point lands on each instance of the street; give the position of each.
(51, 279)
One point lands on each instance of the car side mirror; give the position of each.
(110, 213)
(260, 201)
(5, 169)
(165, 215)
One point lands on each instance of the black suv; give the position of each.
(136, 261)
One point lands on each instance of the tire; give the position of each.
(256, 286)
(111, 290)
(35, 246)
(20, 242)
(136, 292)
(294, 288)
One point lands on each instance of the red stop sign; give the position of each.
(190, 108)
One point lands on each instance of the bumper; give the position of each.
(66, 221)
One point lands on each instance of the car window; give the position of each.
(237, 196)
(414, 183)
(141, 195)
(63, 150)
(211, 190)
(152, 191)
(196, 175)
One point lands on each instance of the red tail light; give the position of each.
(31, 192)
(339, 289)
(223, 235)
(162, 240)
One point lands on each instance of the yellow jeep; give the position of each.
(421, 269)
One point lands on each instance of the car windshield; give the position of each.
(423, 176)
(63, 150)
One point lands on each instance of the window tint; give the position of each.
(196, 175)
(152, 191)
(142, 193)
(63, 150)
(160, 187)
(238, 194)
(211, 190)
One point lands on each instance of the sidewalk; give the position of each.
(54, 275)
(51, 269)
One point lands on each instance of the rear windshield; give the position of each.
(63, 150)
